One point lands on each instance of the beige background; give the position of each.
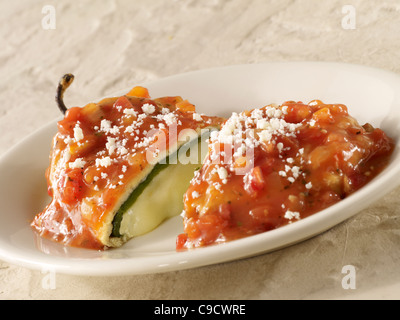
(114, 44)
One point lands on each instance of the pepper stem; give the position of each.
(64, 83)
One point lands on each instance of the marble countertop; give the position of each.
(115, 44)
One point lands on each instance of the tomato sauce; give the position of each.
(272, 166)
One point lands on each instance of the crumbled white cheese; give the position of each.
(257, 114)
(262, 124)
(105, 125)
(291, 214)
(195, 195)
(282, 173)
(278, 113)
(170, 119)
(265, 136)
(130, 111)
(129, 129)
(68, 140)
(251, 131)
(148, 108)
(197, 117)
(223, 174)
(114, 130)
(79, 163)
(295, 171)
(218, 187)
(103, 175)
(122, 150)
(103, 162)
(78, 133)
(111, 145)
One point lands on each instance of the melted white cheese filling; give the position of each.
(162, 198)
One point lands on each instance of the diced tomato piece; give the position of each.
(79, 149)
(262, 220)
(338, 108)
(382, 143)
(92, 112)
(258, 181)
(50, 190)
(225, 211)
(185, 106)
(123, 102)
(210, 227)
(66, 125)
(73, 114)
(139, 92)
(71, 186)
(324, 115)
(181, 240)
(297, 112)
(357, 180)
(191, 229)
(255, 181)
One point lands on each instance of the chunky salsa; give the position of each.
(272, 166)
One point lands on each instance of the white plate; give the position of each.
(371, 95)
